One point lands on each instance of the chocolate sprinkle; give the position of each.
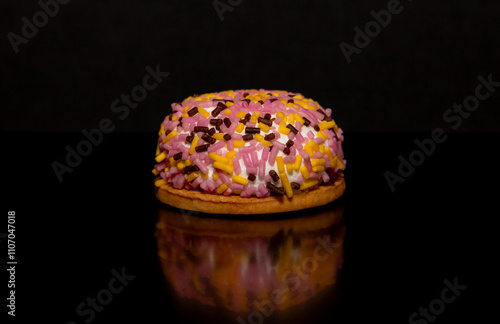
(251, 177)
(307, 122)
(202, 148)
(291, 101)
(227, 122)
(247, 137)
(269, 136)
(193, 111)
(221, 105)
(243, 121)
(273, 100)
(211, 132)
(247, 116)
(265, 121)
(203, 129)
(261, 102)
(252, 130)
(289, 143)
(190, 168)
(189, 139)
(208, 138)
(267, 116)
(227, 137)
(177, 156)
(293, 129)
(245, 94)
(247, 100)
(275, 190)
(295, 185)
(274, 175)
(216, 121)
(286, 150)
(316, 128)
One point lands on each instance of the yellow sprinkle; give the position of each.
(184, 115)
(223, 187)
(188, 162)
(230, 154)
(174, 117)
(283, 130)
(322, 149)
(155, 172)
(161, 156)
(194, 143)
(313, 145)
(240, 179)
(215, 176)
(241, 114)
(218, 136)
(186, 108)
(318, 168)
(181, 165)
(193, 175)
(279, 162)
(315, 162)
(289, 167)
(204, 175)
(239, 143)
(326, 125)
(255, 117)
(322, 135)
(218, 158)
(266, 143)
(162, 130)
(330, 156)
(203, 112)
(227, 111)
(264, 127)
(286, 185)
(240, 128)
(258, 137)
(298, 161)
(340, 165)
(304, 172)
(309, 183)
(157, 149)
(224, 167)
(229, 104)
(169, 136)
(291, 119)
(299, 118)
(308, 149)
(171, 161)
(160, 182)
(280, 114)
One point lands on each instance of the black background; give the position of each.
(400, 245)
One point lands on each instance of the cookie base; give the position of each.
(232, 204)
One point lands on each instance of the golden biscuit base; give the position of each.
(233, 204)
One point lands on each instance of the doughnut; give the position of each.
(249, 152)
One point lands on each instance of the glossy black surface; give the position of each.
(399, 246)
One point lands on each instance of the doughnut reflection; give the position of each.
(251, 265)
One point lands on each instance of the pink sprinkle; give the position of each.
(196, 182)
(161, 166)
(262, 189)
(317, 155)
(297, 145)
(293, 152)
(204, 122)
(204, 186)
(262, 162)
(291, 135)
(236, 186)
(328, 111)
(279, 145)
(225, 178)
(236, 165)
(310, 135)
(319, 140)
(227, 192)
(218, 182)
(273, 154)
(299, 138)
(252, 170)
(232, 128)
(268, 178)
(216, 146)
(251, 189)
(255, 159)
(178, 181)
(163, 175)
(230, 144)
(247, 149)
(288, 159)
(237, 137)
(307, 162)
(277, 120)
(210, 185)
(313, 175)
(246, 159)
(200, 141)
(325, 177)
(300, 179)
(233, 118)
(201, 165)
(298, 125)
